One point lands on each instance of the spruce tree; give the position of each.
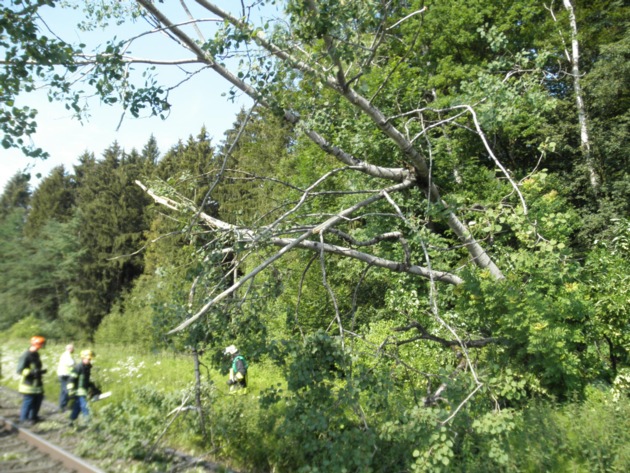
(110, 209)
(251, 185)
(16, 194)
(53, 199)
(14, 255)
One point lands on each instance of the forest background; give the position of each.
(420, 230)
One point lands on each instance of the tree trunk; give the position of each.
(202, 423)
(574, 57)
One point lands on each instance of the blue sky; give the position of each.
(199, 102)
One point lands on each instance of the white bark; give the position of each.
(419, 173)
(585, 144)
(303, 242)
(479, 255)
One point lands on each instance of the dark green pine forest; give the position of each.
(423, 223)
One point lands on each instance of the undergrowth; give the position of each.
(153, 406)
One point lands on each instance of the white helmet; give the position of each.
(231, 350)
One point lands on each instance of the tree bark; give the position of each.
(202, 422)
(421, 171)
(574, 56)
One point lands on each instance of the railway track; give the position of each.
(25, 452)
(50, 446)
(43, 447)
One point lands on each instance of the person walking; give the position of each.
(31, 385)
(80, 385)
(238, 371)
(66, 363)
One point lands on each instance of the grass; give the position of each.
(142, 416)
(124, 369)
(147, 389)
(115, 368)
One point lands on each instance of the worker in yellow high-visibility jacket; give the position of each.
(31, 385)
(80, 386)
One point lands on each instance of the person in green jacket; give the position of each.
(80, 386)
(238, 371)
(31, 385)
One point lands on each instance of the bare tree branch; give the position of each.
(479, 256)
(417, 12)
(322, 261)
(393, 266)
(285, 249)
(425, 335)
(374, 240)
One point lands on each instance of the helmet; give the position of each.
(231, 350)
(38, 341)
(87, 354)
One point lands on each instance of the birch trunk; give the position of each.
(574, 58)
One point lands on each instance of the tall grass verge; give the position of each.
(153, 406)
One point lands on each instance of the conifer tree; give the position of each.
(191, 165)
(13, 273)
(110, 209)
(170, 262)
(254, 150)
(16, 194)
(150, 156)
(38, 251)
(53, 199)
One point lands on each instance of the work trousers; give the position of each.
(63, 394)
(30, 407)
(80, 405)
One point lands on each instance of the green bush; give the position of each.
(331, 415)
(589, 436)
(125, 328)
(26, 328)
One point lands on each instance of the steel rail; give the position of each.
(69, 460)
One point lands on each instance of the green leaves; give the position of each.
(438, 456)
(30, 57)
(321, 360)
(399, 392)
(494, 428)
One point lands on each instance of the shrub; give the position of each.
(26, 328)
